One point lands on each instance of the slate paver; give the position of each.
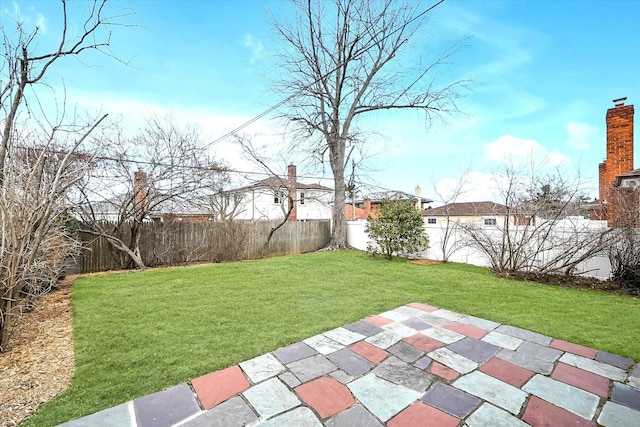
(311, 367)
(341, 376)
(405, 352)
(442, 371)
(118, 416)
(443, 335)
(502, 340)
(323, 345)
(616, 415)
(565, 396)
(378, 320)
(434, 320)
(262, 367)
(369, 351)
(540, 413)
(421, 415)
(344, 336)
(570, 347)
(468, 330)
(600, 368)
(485, 324)
(451, 400)
(383, 398)
(356, 416)
(625, 395)
(492, 390)
(422, 307)
(350, 362)
(453, 360)
(490, 416)
(402, 373)
(417, 324)
(507, 372)
(474, 349)
(271, 397)
(364, 328)
(289, 379)
(293, 352)
(216, 387)
(396, 315)
(166, 407)
(233, 413)
(539, 351)
(299, 417)
(326, 395)
(423, 363)
(384, 339)
(400, 329)
(524, 334)
(585, 380)
(525, 361)
(448, 314)
(424, 342)
(614, 359)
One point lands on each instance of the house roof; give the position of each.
(631, 174)
(468, 209)
(379, 196)
(275, 182)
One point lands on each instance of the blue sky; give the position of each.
(544, 72)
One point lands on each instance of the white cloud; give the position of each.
(256, 47)
(520, 151)
(580, 135)
(478, 187)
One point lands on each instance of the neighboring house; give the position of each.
(269, 200)
(488, 214)
(369, 204)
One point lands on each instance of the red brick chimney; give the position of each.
(293, 192)
(367, 208)
(619, 158)
(140, 194)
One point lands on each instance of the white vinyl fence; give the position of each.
(597, 266)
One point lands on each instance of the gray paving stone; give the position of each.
(323, 345)
(524, 334)
(405, 352)
(528, 362)
(451, 400)
(311, 367)
(344, 336)
(614, 359)
(233, 413)
(434, 320)
(490, 416)
(118, 416)
(602, 369)
(396, 315)
(401, 373)
(383, 340)
(423, 363)
(350, 362)
(271, 397)
(410, 311)
(447, 314)
(502, 340)
(563, 395)
(634, 382)
(262, 367)
(615, 415)
(453, 360)
(364, 328)
(383, 398)
(417, 324)
(166, 407)
(299, 417)
(341, 376)
(400, 329)
(492, 390)
(289, 379)
(293, 352)
(625, 395)
(540, 351)
(474, 349)
(443, 335)
(479, 322)
(356, 416)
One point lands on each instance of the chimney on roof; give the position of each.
(293, 192)
(140, 194)
(418, 203)
(619, 102)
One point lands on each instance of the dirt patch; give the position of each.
(39, 363)
(424, 261)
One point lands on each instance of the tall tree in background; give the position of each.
(346, 58)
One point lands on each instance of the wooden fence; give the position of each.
(172, 243)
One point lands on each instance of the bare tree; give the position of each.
(344, 59)
(160, 171)
(448, 242)
(40, 157)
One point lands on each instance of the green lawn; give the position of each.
(140, 332)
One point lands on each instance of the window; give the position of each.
(432, 221)
(302, 198)
(276, 198)
(490, 221)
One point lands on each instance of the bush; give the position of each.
(398, 228)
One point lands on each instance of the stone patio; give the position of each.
(416, 365)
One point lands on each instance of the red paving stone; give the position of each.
(507, 372)
(378, 320)
(423, 307)
(424, 342)
(422, 415)
(443, 371)
(540, 413)
(370, 352)
(468, 330)
(573, 348)
(216, 387)
(326, 395)
(582, 379)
